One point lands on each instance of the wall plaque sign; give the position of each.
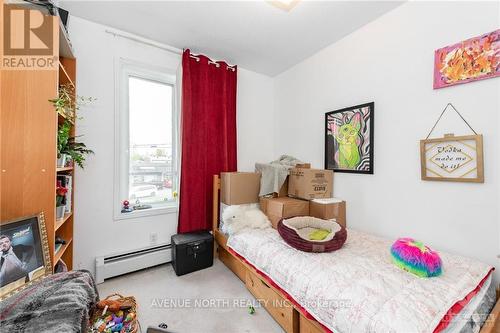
(452, 158)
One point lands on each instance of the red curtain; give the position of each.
(208, 130)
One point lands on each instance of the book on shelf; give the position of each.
(57, 247)
(67, 181)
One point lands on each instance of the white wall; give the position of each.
(390, 61)
(255, 119)
(96, 233)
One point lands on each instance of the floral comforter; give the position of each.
(357, 288)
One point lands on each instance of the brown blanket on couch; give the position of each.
(58, 303)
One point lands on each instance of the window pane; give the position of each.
(150, 146)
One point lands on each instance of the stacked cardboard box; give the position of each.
(310, 183)
(278, 208)
(329, 209)
(309, 193)
(239, 188)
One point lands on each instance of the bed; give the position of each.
(357, 289)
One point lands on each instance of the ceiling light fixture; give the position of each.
(286, 5)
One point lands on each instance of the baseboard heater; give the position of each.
(123, 263)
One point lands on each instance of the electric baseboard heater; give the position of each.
(118, 264)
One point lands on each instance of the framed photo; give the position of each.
(24, 253)
(452, 158)
(469, 60)
(349, 139)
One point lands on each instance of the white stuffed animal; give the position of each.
(236, 218)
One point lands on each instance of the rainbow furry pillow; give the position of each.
(415, 257)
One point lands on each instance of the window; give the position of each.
(148, 136)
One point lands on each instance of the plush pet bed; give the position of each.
(311, 234)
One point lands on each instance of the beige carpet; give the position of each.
(210, 300)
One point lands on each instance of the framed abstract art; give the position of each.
(349, 139)
(473, 59)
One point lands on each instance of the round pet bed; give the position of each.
(296, 232)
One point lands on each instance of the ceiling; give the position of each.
(252, 34)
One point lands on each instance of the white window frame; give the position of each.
(124, 69)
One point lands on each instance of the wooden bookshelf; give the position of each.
(28, 144)
(60, 253)
(69, 168)
(64, 227)
(60, 222)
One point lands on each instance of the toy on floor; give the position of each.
(251, 309)
(416, 258)
(114, 315)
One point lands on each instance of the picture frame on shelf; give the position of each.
(25, 253)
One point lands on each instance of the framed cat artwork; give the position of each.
(349, 139)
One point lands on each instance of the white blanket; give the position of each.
(357, 288)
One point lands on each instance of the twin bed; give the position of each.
(357, 288)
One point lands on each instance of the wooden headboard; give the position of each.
(220, 239)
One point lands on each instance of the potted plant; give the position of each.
(68, 103)
(76, 151)
(62, 143)
(60, 200)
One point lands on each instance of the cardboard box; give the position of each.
(303, 165)
(277, 208)
(239, 188)
(328, 209)
(310, 183)
(284, 188)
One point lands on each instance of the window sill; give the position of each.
(171, 209)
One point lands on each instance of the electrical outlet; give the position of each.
(153, 238)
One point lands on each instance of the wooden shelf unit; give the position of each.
(60, 222)
(64, 227)
(28, 145)
(69, 168)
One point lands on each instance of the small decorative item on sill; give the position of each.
(115, 313)
(60, 200)
(139, 206)
(126, 207)
(452, 158)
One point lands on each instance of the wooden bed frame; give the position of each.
(283, 311)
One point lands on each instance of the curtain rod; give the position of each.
(145, 41)
(158, 45)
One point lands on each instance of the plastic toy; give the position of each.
(113, 306)
(117, 328)
(130, 317)
(126, 207)
(117, 318)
